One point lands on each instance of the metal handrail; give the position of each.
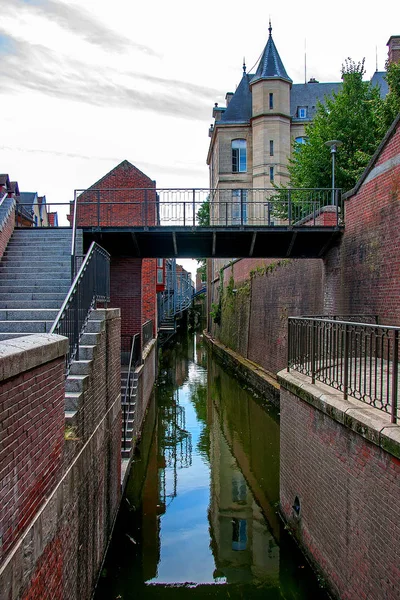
(135, 359)
(357, 358)
(90, 285)
(73, 237)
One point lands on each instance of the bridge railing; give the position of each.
(358, 359)
(197, 207)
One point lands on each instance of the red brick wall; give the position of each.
(125, 284)
(123, 197)
(6, 232)
(254, 319)
(63, 545)
(149, 304)
(32, 435)
(363, 274)
(348, 490)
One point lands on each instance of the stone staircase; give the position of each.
(34, 280)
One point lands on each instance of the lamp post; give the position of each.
(333, 145)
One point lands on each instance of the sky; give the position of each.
(86, 84)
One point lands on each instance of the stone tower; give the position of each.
(270, 88)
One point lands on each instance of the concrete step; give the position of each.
(26, 327)
(80, 367)
(14, 288)
(27, 314)
(24, 266)
(76, 383)
(86, 352)
(90, 339)
(14, 275)
(72, 400)
(32, 304)
(32, 296)
(94, 326)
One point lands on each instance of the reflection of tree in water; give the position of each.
(175, 445)
(198, 396)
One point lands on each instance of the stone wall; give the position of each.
(340, 466)
(59, 548)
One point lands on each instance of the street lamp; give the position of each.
(333, 145)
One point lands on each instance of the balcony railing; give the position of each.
(358, 359)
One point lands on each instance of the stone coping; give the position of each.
(365, 420)
(18, 355)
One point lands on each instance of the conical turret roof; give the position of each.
(270, 65)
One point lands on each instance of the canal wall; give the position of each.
(339, 487)
(60, 494)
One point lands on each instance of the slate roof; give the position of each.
(27, 197)
(308, 94)
(239, 108)
(379, 78)
(271, 65)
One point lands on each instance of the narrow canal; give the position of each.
(199, 516)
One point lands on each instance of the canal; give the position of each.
(199, 516)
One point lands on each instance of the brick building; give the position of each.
(125, 196)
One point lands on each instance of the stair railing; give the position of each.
(73, 237)
(90, 286)
(135, 359)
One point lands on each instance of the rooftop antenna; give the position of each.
(270, 27)
(244, 66)
(376, 59)
(305, 60)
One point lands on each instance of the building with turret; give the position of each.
(253, 136)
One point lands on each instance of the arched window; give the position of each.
(239, 156)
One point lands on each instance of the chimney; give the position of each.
(394, 49)
(228, 97)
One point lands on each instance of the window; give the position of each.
(160, 262)
(239, 534)
(302, 112)
(160, 276)
(299, 141)
(239, 156)
(239, 207)
(271, 147)
(271, 174)
(271, 100)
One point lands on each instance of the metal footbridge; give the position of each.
(219, 223)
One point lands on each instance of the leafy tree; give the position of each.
(353, 116)
(203, 214)
(391, 104)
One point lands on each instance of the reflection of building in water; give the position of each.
(244, 548)
(175, 447)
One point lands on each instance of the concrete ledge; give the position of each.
(246, 370)
(365, 420)
(21, 354)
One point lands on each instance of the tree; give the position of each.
(353, 116)
(203, 214)
(391, 105)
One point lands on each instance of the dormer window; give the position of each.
(239, 156)
(302, 112)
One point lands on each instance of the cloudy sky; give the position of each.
(86, 84)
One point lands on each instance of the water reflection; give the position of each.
(200, 507)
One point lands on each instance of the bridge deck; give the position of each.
(215, 242)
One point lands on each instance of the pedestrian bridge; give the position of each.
(199, 223)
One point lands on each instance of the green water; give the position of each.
(199, 516)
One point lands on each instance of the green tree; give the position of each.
(353, 116)
(391, 104)
(203, 214)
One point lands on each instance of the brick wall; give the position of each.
(60, 551)
(32, 431)
(6, 230)
(125, 284)
(149, 304)
(254, 317)
(363, 274)
(348, 489)
(125, 196)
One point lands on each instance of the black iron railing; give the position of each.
(147, 207)
(147, 332)
(129, 402)
(359, 359)
(90, 286)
